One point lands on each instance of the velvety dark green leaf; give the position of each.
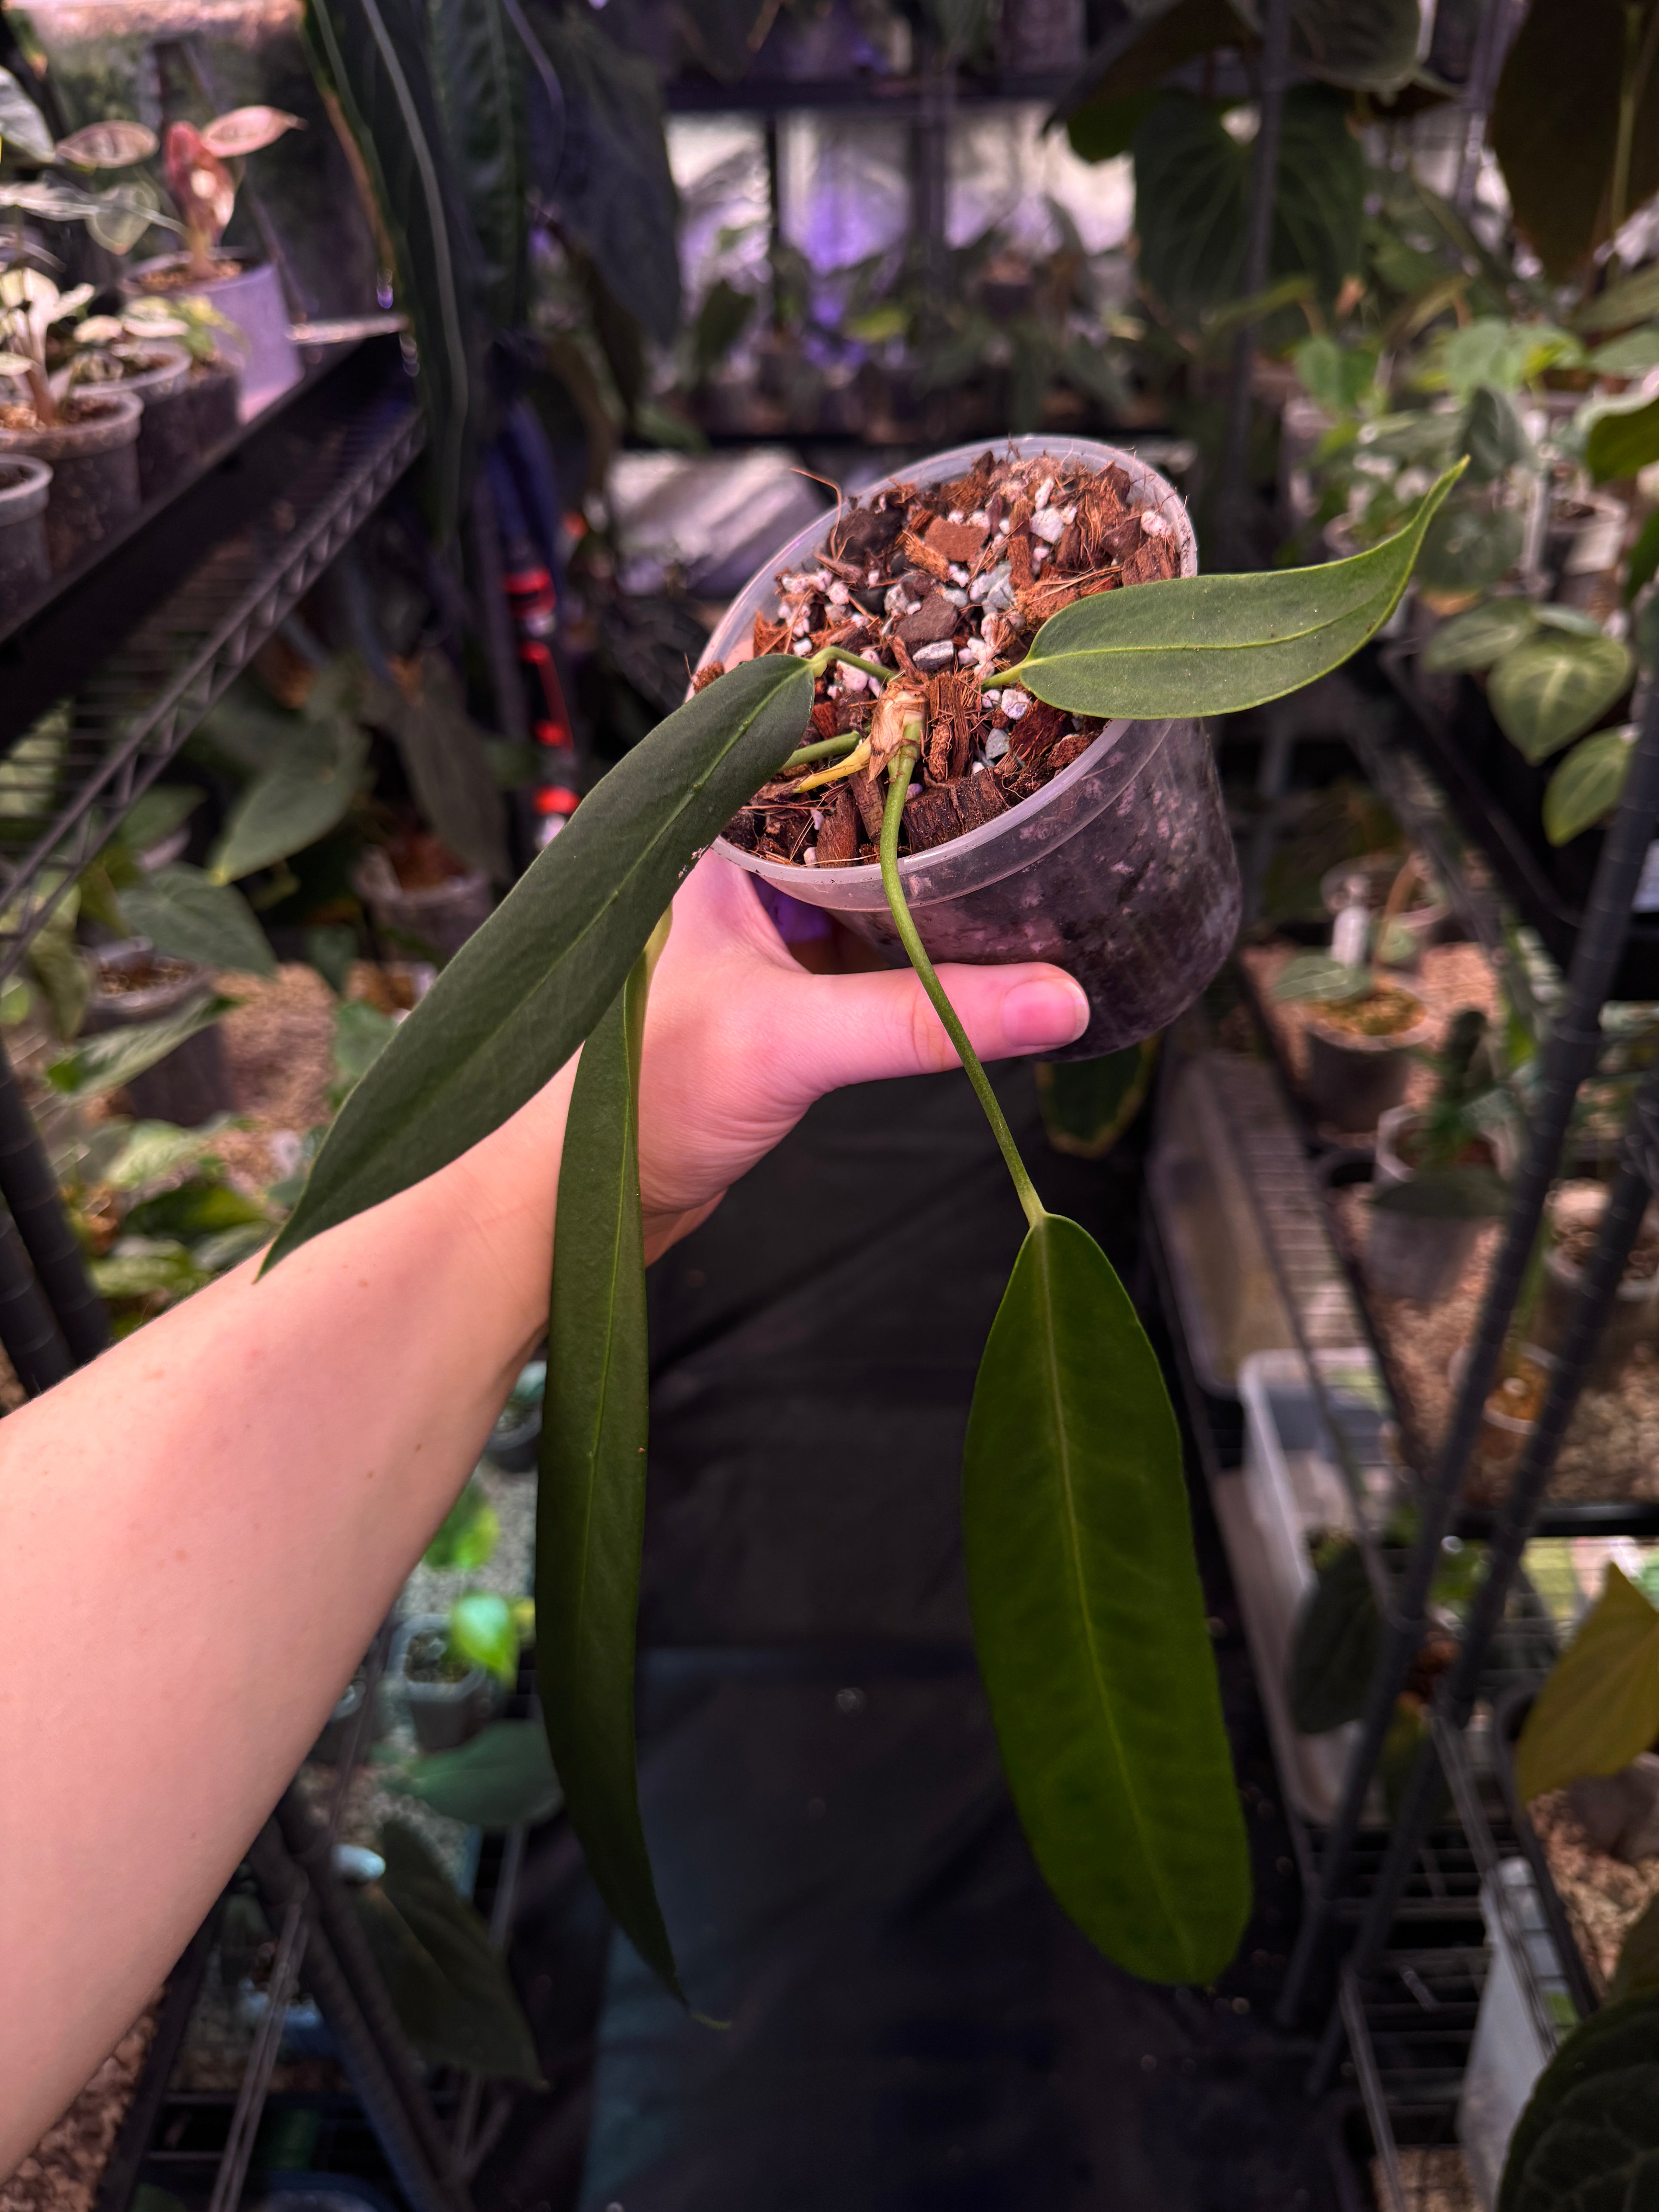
(293, 804)
(1449, 1194)
(445, 757)
(524, 991)
(1492, 436)
(1089, 1624)
(1333, 1645)
(1620, 444)
(590, 1517)
(1615, 2045)
(1468, 548)
(447, 1983)
(1586, 787)
(614, 191)
(477, 70)
(1087, 1104)
(181, 911)
(1552, 686)
(200, 1207)
(1643, 560)
(1361, 45)
(1554, 127)
(1600, 1707)
(1135, 59)
(467, 1536)
(482, 1629)
(23, 129)
(1479, 636)
(1637, 1974)
(498, 1779)
(105, 1062)
(371, 55)
(1211, 645)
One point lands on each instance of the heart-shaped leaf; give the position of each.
(1479, 636)
(115, 144)
(294, 804)
(1586, 787)
(120, 216)
(590, 1517)
(1600, 1706)
(182, 911)
(22, 127)
(1552, 686)
(1622, 441)
(1468, 548)
(1090, 1623)
(1212, 645)
(499, 1779)
(1587, 2140)
(1492, 436)
(526, 990)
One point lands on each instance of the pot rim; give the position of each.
(115, 424)
(426, 1624)
(1402, 1040)
(933, 468)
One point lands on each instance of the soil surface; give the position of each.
(945, 584)
(1385, 1013)
(1604, 1898)
(279, 1045)
(62, 2173)
(1432, 2180)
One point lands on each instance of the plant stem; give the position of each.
(819, 664)
(898, 773)
(825, 748)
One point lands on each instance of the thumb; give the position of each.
(863, 1027)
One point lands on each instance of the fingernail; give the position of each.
(1053, 1012)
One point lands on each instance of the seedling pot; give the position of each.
(93, 461)
(25, 488)
(1120, 870)
(440, 916)
(192, 1082)
(1423, 924)
(332, 1745)
(514, 1447)
(1407, 1256)
(443, 1715)
(167, 434)
(252, 300)
(213, 397)
(1352, 1081)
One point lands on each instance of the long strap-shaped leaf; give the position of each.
(591, 1508)
(1213, 645)
(522, 994)
(478, 72)
(1088, 1619)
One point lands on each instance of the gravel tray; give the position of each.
(1604, 1898)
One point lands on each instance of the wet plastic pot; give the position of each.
(25, 488)
(444, 1715)
(192, 1084)
(1353, 1080)
(167, 435)
(1120, 870)
(93, 459)
(442, 916)
(251, 299)
(1407, 1256)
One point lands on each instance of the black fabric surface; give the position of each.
(913, 2026)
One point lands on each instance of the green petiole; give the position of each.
(825, 748)
(819, 664)
(904, 759)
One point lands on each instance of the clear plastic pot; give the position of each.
(25, 485)
(93, 459)
(167, 434)
(1120, 870)
(251, 299)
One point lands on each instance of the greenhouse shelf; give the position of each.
(187, 603)
(1580, 1976)
(1409, 2029)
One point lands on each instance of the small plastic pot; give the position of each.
(1407, 1256)
(1422, 924)
(25, 488)
(1353, 1080)
(167, 435)
(214, 397)
(514, 1447)
(443, 1715)
(192, 1084)
(1120, 870)
(442, 916)
(332, 1745)
(251, 299)
(94, 460)
(1633, 1318)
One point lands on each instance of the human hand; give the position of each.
(739, 1040)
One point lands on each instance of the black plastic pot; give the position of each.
(335, 1742)
(1408, 1255)
(93, 458)
(192, 1084)
(443, 1715)
(25, 488)
(1352, 1081)
(514, 1448)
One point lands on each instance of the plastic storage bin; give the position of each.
(1525, 2008)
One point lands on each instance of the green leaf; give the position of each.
(1087, 1104)
(1449, 1194)
(524, 990)
(1632, 355)
(139, 1266)
(1479, 636)
(1136, 59)
(1089, 1624)
(724, 315)
(1212, 645)
(293, 804)
(22, 127)
(1333, 1644)
(498, 1779)
(477, 70)
(446, 1982)
(1619, 444)
(482, 1629)
(114, 1057)
(155, 814)
(1643, 558)
(60, 972)
(1337, 376)
(1633, 300)
(1101, 129)
(590, 1503)
(198, 1208)
(1492, 436)
(1587, 2140)
(468, 1534)
(362, 1033)
(1362, 45)
(181, 911)
(1317, 979)
(1637, 1974)
(1600, 1706)
(445, 757)
(370, 57)
(331, 948)
(154, 1149)
(1552, 686)
(1586, 787)
(1468, 548)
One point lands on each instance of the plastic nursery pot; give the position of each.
(251, 299)
(443, 1715)
(1120, 870)
(25, 488)
(159, 375)
(1354, 1079)
(1420, 923)
(93, 455)
(1633, 1320)
(1406, 1256)
(335, 1742)
(214, 397)
(441, 915)
(135, 985)
(515, 1441)
(1581, 547)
